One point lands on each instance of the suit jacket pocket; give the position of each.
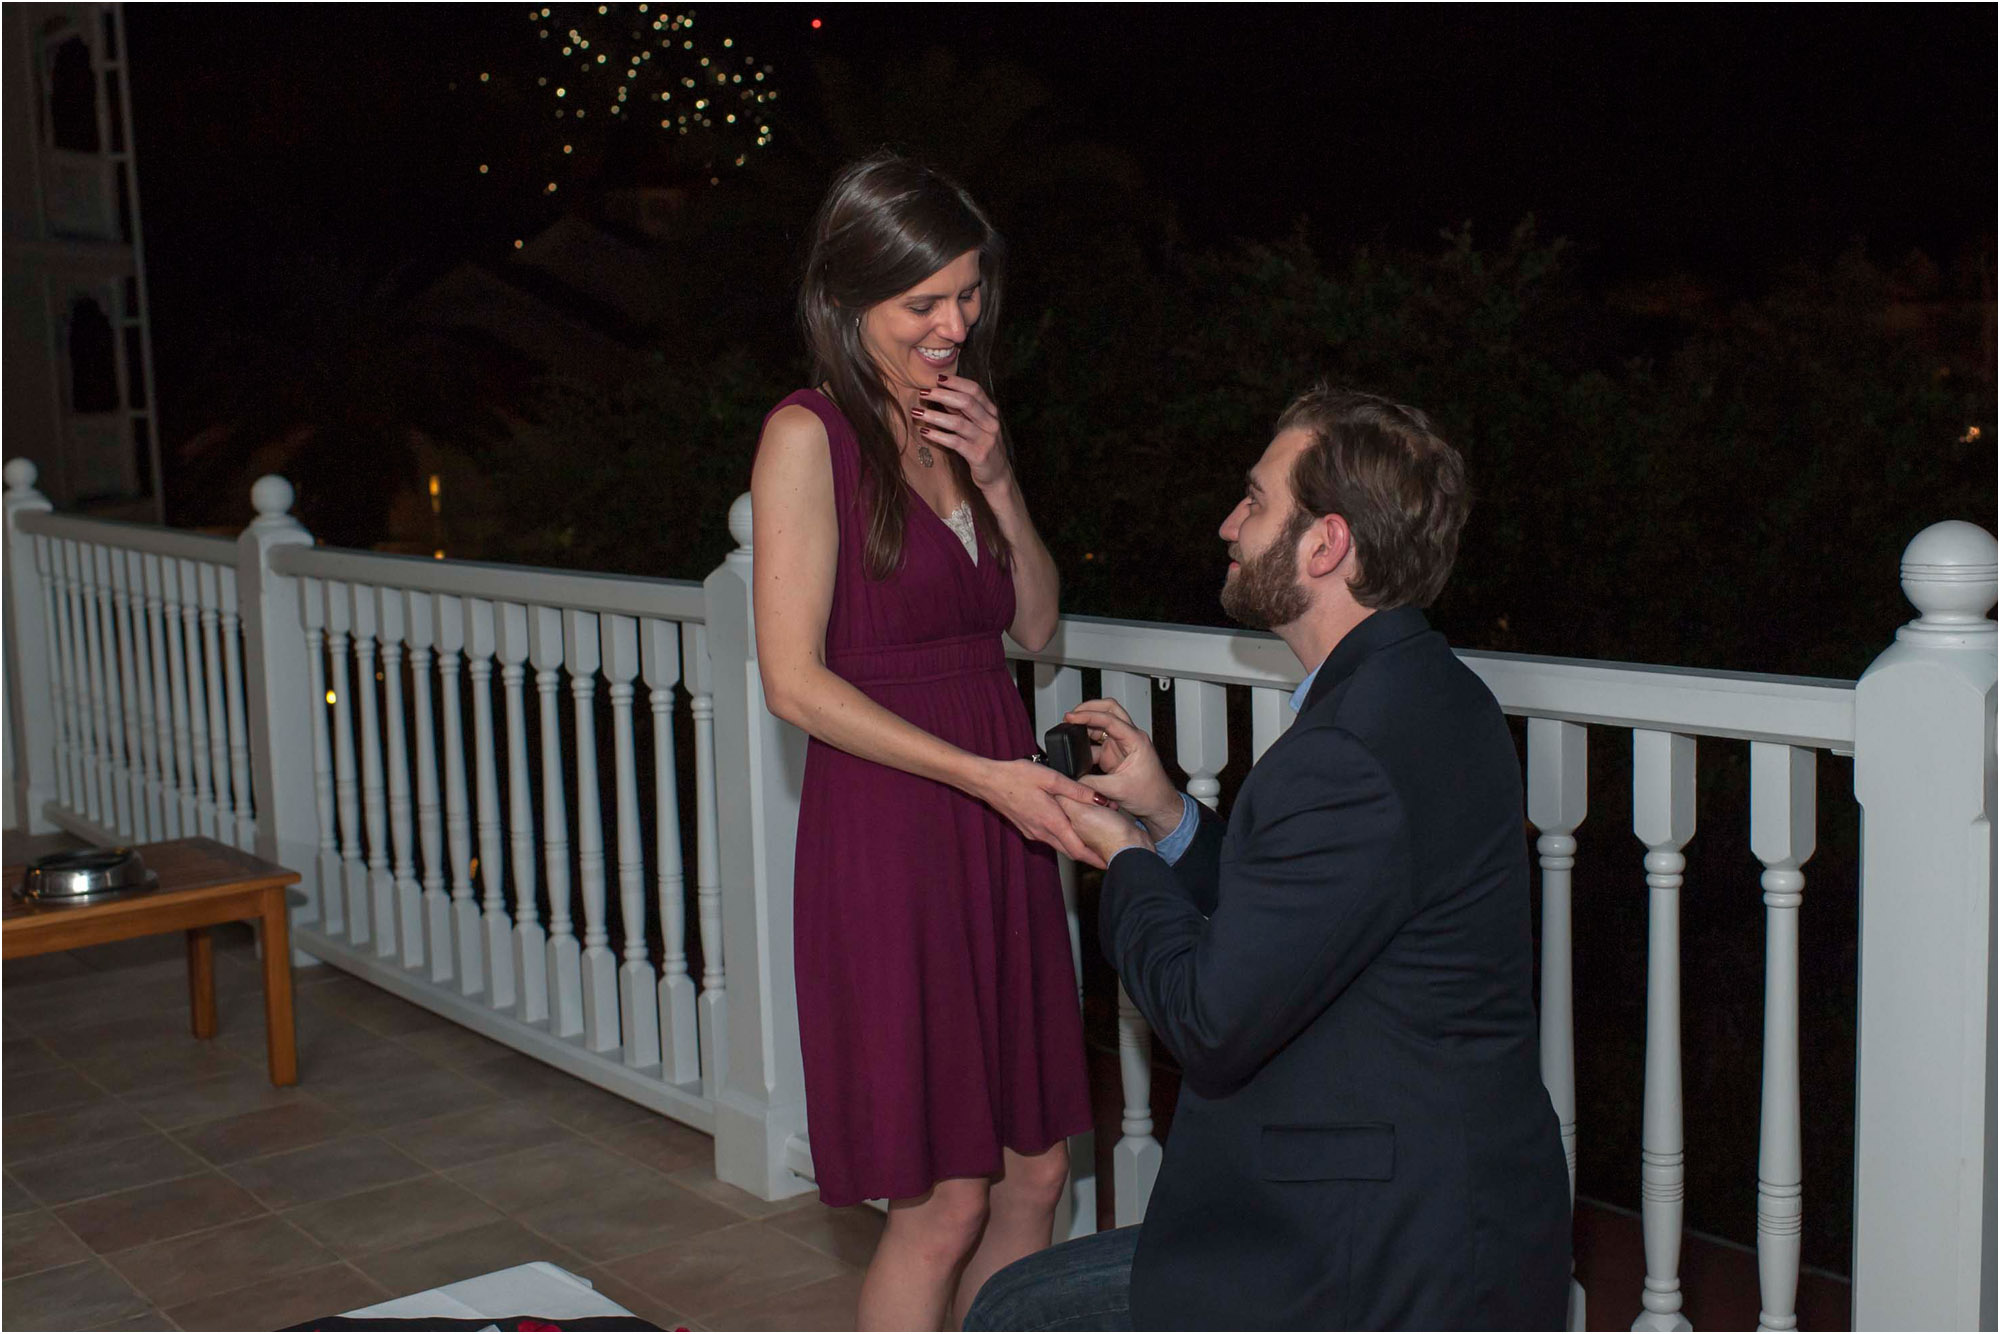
(1351, 1151)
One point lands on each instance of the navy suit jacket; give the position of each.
(1362, 1139)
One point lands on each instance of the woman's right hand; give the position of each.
(1026, 792)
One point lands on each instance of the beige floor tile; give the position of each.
(414, 1095)
(17, 1197)
(701, 1179)
(660, 1143)
(37, 1240)
(182, 1062)
(211, 1099)
(461, 1255)
(73, 1297)
(147, 1319)
(42, 1134)
(625, 1227)
(133, 1035)
(81, 1173)
(468, 1137)
(282, 1302)
(378, 1011)
(324, 1172)
(393, 1216)
(828, 1305)
(169, 1273)
(551, 1173)
(40, 970)
(588, 1109)
(154, 1213)
(455, 1047)
(21, 1056)
(296, 1125)
(848, 1235)
(46, 1090)
(639, 1303)
(95, 998)
(729, 1267)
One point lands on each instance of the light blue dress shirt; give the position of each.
(1173, 845)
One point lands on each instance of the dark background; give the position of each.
(1705, 295)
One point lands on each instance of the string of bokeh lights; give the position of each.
(643, 65)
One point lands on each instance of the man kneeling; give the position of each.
(1343, 971)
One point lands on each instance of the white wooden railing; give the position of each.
(357, 732)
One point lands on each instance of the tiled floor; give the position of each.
(154, 1181)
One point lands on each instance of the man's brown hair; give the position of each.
(1383, 468)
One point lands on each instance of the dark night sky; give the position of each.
(1718, 139)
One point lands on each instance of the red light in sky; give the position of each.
(815, 23)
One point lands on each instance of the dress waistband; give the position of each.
(896, 664)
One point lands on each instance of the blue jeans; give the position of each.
(1081, 1284)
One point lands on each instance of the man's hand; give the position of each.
(1129, 769)
(1104, 831)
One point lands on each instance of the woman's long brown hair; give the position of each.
(885, 226)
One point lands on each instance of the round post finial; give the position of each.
(739, 521)
(21, 475)
(1948, 576)
(271, 496)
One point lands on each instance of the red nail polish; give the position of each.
(916, 412)
(942, 377)
(1100, 801)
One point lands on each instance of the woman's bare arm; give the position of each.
(796, 538)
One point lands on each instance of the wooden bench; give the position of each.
(202, 883)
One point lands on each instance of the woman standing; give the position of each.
(937, 1004)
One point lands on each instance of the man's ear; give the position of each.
(1329, 544)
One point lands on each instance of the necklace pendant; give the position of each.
(925, 457)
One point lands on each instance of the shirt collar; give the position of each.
(1378, 631)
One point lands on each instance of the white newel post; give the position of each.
(278, 693)
(1924, 1078)
(30, 685)
(759, 769)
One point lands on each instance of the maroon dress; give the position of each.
(937, 998)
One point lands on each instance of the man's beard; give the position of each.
(1265, 593)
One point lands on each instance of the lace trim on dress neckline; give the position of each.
(960, 522)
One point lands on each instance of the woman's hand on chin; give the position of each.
(969, 427)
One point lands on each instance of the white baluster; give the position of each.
(638, 985)
(1201, 736)
(130, 575)
(159, 616)
(83, 777)
(545, 650)
(103, 797)
(497, 928)
(440, 949)
(1135, 1162)
(53, 616)
(680, 1052)
(239, 723)
(180, 681)
(1663, 817)
(217, 707)
(1783, 828)
(332, 898)
(714, 1005)
(108, 621)
(140, 826)
(1558, 800)
(1057, 691)
(600, 969)
(346, 773)
(1270, 716)
(409, 899)
(204, 791)
(465, 923)
(531, 948)
(374, 805)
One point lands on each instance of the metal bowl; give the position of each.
(88, 875)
